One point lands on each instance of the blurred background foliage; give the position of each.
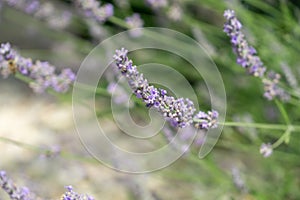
(233, 170)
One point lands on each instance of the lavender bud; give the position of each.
(266, 150)
(206, 120)
(272, 89)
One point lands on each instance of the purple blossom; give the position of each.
(157, 3)
(93, 9)
(44, 11)
(42, 73)
(206, 120)
(175, 12)
(70, 194)
(247, 58)
(14, 192)
(246, 55)
(266, 150)
(32, 6)
(272, 89)
(179, 112)
(133, 22)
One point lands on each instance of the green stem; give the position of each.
(98, 90)
(20, 144)
(23, 78)
(283, 112)
(118, 21)
(262, 126)
(284, 138)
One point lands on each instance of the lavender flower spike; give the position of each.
(247, 58)
(12, 190)
(179, 112)
(92, 9)
(246, 54)
(42, 73)
(133, 22)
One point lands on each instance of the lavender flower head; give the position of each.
(206, 120)
(12, 190)
(92, 9)
(175, 12)
(42, 73)
(248, 59)
(272, 89)
(246, 54)
(71, 195)
(45, 11)
(266, 150)
(134, 21)
(179, 112)
(158, 3)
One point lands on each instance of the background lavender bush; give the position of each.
(39, 145)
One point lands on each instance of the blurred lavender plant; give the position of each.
(72, 195)
(175, 12)
(14, 192)
(157, 3)
(179, 112)
(92, 9)
(23, 193)
(47, 12)
(290, 77)
(238, 180)
(248, 59)
(42, 73)
(120, 96)
(172, 10)
(133, 22)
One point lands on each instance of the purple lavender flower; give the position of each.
(12, 190)
(157, 3)
(266, 150)
(247, 58)
(206, 120)
(272, 89)
(42, 73)
(32, 6)
(92, 9)
(179, 112)
(44, 11)
(133, 22)
(246, 55)
(175, 12)
(71, 195)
